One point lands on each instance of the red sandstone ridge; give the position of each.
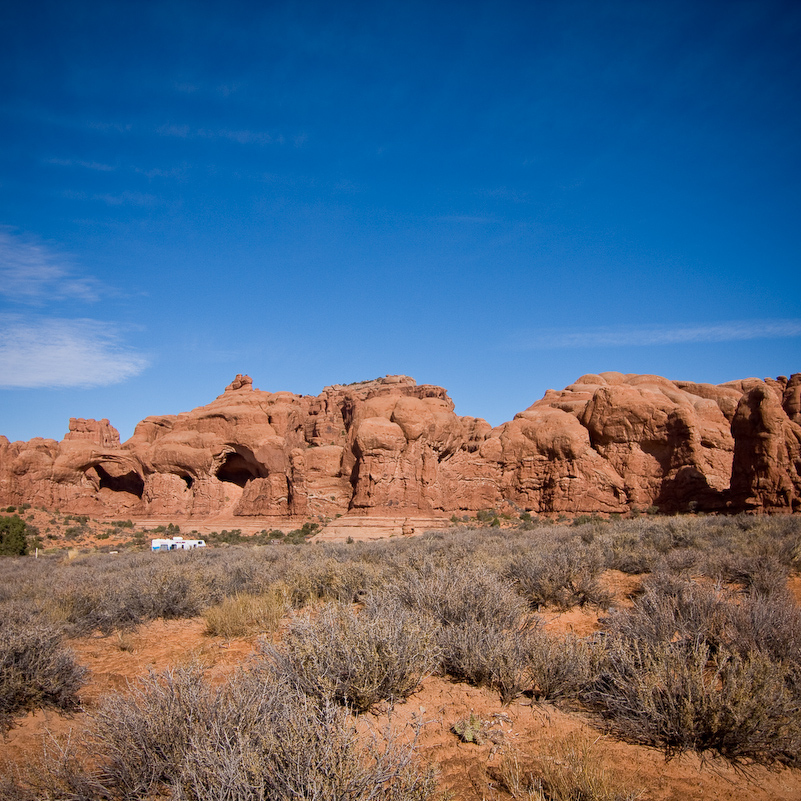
(608, 443)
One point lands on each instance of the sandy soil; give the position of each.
(520, 731)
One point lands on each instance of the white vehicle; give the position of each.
(176, 544)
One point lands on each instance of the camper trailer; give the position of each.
(176, 544)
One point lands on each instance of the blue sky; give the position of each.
(496, 197)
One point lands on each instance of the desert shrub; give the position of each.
(243, 615)
(693, 698)
(36, 669)
(695, 667)
(560, 667)
(457, 594)
(358, 658)
(625, 551)
(142, 737)
(11, 790)
(763, 575)
(482, 624)
(102, 594)
(255, 737)
(329, 579)
(565, 577)
(677, 610)
(770, 624)
(674, 609)
(13, 536)
(681, 559)
(487, 655)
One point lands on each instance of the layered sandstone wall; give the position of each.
(607, 443)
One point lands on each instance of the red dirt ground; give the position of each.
(470, 772)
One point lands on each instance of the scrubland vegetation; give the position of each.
(704, 658)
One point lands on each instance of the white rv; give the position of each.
(176, 544)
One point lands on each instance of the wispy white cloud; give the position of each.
(242, 137)
(39, 353)
(88, 165)
(160, 172)
(32, 272)
(632, 336)
(127, 198)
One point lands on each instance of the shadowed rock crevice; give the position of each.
(239, 467)
(130, 482)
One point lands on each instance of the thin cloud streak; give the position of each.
(89, 165)
(63, 353)
(731, 331)
(242, 137)
(32, 273)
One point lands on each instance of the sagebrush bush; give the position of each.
(359, 658)
(36, 668)
(487, 655)
(560, 667)
(678, 610)
(683, 697)
(565, 577)
(481, 623)
(456, 594)
(255, 738)
(330, 580)
(672, 608)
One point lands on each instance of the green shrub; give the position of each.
(13, 536)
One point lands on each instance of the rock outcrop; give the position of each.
(607, 443)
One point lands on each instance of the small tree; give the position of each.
(13, 536)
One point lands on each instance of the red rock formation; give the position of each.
(767, 453)
(608, 443)
(100, 432)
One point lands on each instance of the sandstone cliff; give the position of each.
(608, 443)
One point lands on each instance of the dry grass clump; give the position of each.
(255, 738)
(36, 669)
(570, 768)
(247, 614)
(359, 658)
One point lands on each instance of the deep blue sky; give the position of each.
(496, 197)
